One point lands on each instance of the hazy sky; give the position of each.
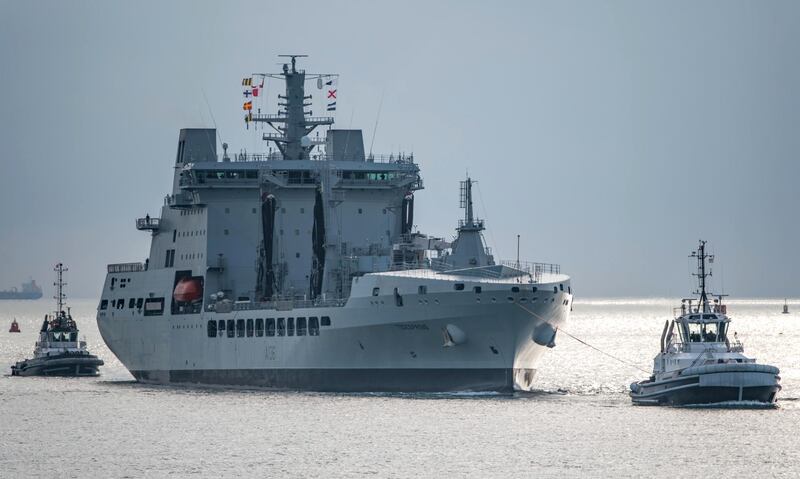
(610, 135)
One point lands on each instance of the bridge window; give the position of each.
(169, 260)
(281, 327)
(221, 327)
(376, 291)
(290, 326)
(270, 326)
(313, 326)
(326, 321)
(422, 289)
(459, 286)
(131, 303)
(477, 289)
(561, 286)
(250, 328)
(103, 304)
(240, 328)
(139, 303)
(212, 329)
(515, 289)
(259, 327)
(231, 328)
(301, 326)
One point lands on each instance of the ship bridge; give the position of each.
(300, 220)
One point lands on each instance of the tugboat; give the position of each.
(702, 366)
(14, 327)
(58, 351)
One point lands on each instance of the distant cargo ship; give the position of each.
(30, 290)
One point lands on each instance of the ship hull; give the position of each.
(370, 346)
(66, 366)
(343, 380)
(16, 295)
(718, 383)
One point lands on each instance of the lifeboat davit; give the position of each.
(188, 290)
(14, 327)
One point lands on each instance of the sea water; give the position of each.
(580, 422)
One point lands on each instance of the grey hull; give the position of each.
(58, 366)
(344, 380)
(710, 395)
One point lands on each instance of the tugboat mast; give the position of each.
(60, 297)
(701, 274)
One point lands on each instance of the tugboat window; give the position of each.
(259, 327)
(301, 326)
(313, 326)
(281, 327)
(221, 327)
(290, 326)
(212, 329)
(240, 328)
(250, 328)
(231, 328)
(271, 327)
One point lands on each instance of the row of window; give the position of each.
(152, 306)
(423, 289)
(260, 327)
(191, 211)
(183, 234)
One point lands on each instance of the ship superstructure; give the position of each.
(301, 268)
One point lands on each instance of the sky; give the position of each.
(610, 136)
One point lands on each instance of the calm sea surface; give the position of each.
(581, 423)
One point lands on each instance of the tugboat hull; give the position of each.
(67, 366)
(711, 384)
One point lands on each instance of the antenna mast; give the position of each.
(60, 297)
(701, 274)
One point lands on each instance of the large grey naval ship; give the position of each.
(300, 268)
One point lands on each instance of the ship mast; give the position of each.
(60, 297)
(469, 223)
(293, 123)
(701, 274)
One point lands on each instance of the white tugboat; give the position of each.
(702, 366)
(58, 351)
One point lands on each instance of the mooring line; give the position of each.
(587, 344)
